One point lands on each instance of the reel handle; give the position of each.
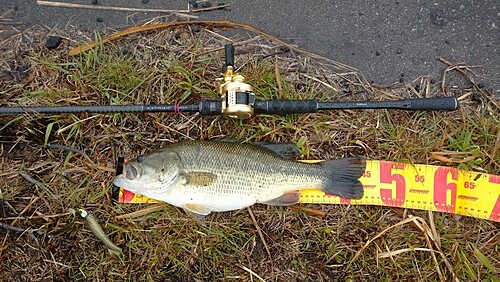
(229, 55)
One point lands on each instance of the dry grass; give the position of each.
(39, 240)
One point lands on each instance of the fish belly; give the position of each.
(232, 195)
(214, 198)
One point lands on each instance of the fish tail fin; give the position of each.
(343, 177)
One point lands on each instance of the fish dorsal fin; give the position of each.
(197, 178)
(285, 150)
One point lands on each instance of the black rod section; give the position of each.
(283, 107)
(419, 104)
(102, 109)
(310, 106)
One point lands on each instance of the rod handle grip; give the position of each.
(284, 107)
(433, 104)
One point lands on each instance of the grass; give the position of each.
(167, 245)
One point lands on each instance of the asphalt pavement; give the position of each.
(388, 41)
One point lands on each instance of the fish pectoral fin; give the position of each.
(198, 178)
(286, 199)
(198, 217)
(196, 209)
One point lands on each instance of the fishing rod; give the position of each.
(238, 101)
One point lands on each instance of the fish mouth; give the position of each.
(124, 183)
(134, 185)
(135, 180)
(126, 179)
(121, 181)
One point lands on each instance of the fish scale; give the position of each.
(265, 170)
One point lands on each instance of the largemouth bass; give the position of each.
(209, 176)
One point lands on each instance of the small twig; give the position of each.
(100, 168)
(12, 228)
(251, 272)
(495, 150)
(392, 253)
(7, 203)
(437, 239)
(259, 231)
(35, 216)
(223, 24)
(69, 126)
(181, 13)
(319, 81)
(33, 200)
(314, 212)
(68, 148)
(404, 221)
(433, 255)
(27, 231)
(4, 242)
(58, 263)
(278, 79)
(462, 70)
(64, 230)
(36, 182)
(430, 233)
(141, 212)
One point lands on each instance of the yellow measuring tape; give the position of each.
(423, 187)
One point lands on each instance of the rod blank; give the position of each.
(101, 109)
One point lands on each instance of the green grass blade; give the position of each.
(485, 261)
(48, 130)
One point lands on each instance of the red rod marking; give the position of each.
(177, 107)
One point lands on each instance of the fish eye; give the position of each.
(131, 172)
(140, 159)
